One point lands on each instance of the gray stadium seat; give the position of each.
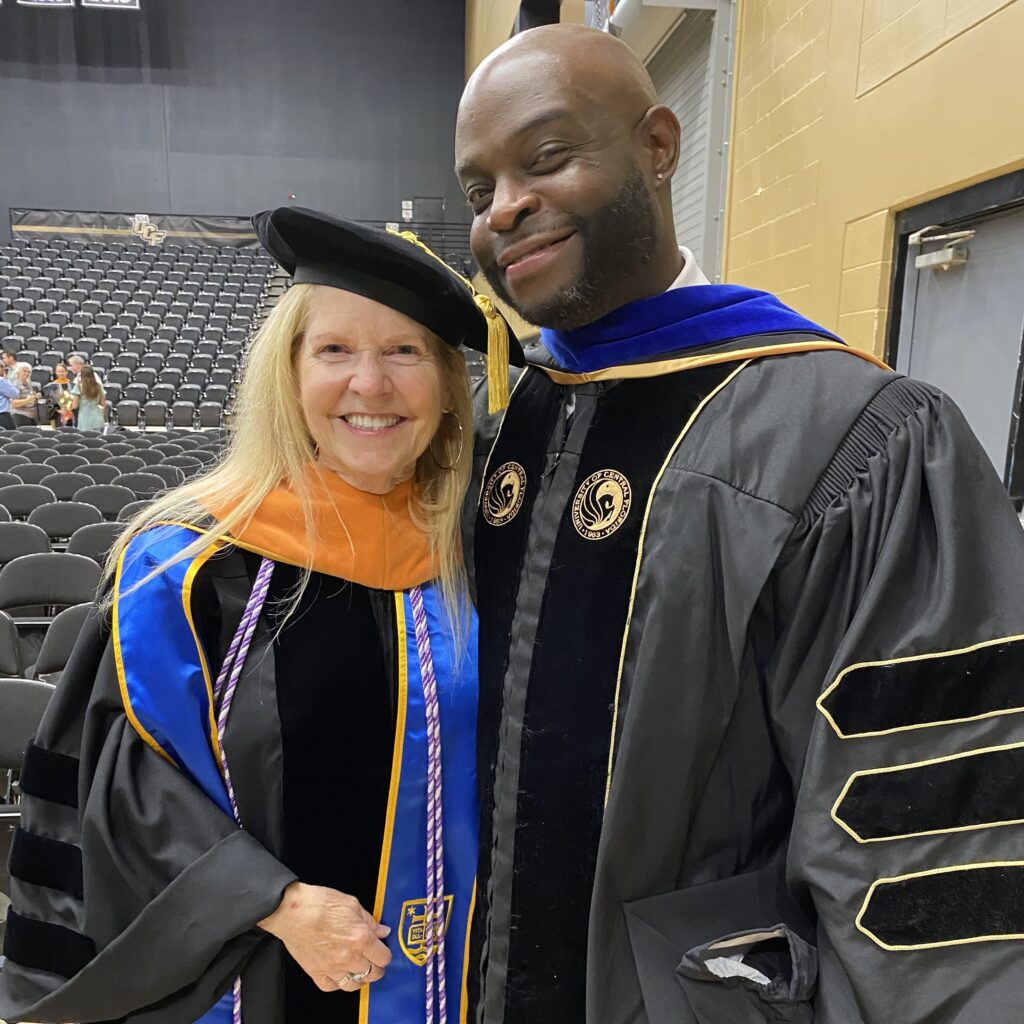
(128, 413)
(132, 509)
(108, 498)
(172, 476)
(95, 540)
(60, 519)
(210, 414)
(155, 413)
(17, 539)
(66, 462)
(59, 641)
(64, 485)
(183, 414)
(127, 463)
(144, 485)
(56, 580)
(101, 473)
(32, 472)
(21, 499)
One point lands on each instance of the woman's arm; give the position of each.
(329, 935)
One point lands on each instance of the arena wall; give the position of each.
(230, 106)
(846, 112)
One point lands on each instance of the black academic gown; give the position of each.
(134, 895)
(731, 690)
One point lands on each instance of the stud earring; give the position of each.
(660, 176)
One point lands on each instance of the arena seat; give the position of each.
(64, 485)
(95, 540)
(132, 463)
(17, 539)
(127, 413)
(108, 498)
(65, 463)
(155, 413)
(21, 499)
(32, 472)
(60, 519)
(132, 509)
(143, 485)
(210, 414)
(101, 473)
(172, 476)
(58, 643)
(55, 581)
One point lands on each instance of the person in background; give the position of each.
(75, 365)
(25, 408)
(10, 362)
(8, 390)
(58, 393)
(88, 400)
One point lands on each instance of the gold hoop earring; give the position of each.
(462, 444)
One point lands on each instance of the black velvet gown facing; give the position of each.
(335, 703)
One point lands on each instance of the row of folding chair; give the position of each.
(43, 435)
(66, 485)
(69, 462)
(93, 538)
(21, 501)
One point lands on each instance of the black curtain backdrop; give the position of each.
(230, 106)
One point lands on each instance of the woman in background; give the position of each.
(25, 408)
(89, 400)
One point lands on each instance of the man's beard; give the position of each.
(617, 241)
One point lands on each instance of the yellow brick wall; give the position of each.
(845, 112)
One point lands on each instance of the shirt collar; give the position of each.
(691, 273)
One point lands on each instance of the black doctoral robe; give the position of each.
(751, 741)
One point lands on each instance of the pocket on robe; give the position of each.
(758, 976)
(672, 935)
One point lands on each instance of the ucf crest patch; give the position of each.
(503, 494)
(413, 935)
(601, 504)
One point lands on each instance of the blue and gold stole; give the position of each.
(173, 712)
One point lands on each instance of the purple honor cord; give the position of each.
(436, 917)
(223, 697)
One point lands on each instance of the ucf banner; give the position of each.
(142, 228)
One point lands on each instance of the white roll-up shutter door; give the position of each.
(681, 70)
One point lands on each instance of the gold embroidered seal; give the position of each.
(503, 495)
(601, 504)
(418, 936)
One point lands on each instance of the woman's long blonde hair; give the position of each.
(270, 445)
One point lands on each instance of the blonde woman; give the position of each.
(255, 790)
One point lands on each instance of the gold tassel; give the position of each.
(497, 354)
(497, 333)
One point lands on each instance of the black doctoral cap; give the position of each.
(397, 270)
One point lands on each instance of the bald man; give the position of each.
(751, 618)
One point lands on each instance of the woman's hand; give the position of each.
(330, 936)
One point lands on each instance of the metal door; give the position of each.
(961, 323)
